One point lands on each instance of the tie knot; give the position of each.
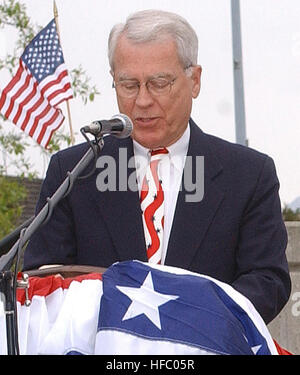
(159, 151)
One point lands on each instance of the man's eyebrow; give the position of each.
(161, 75)
(125, 77)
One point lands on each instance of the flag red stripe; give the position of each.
(64, 99)
(66, 87)
(38, 118)
(15, 96)
(29, 112)
(20, 92)
(46, 124)
(44, 286)
(63, 74)
(13, 99)
(26, 101)
(52, 131)
(12, 83)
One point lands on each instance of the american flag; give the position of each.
(137, 308)
(30, 99)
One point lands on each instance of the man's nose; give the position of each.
(144, 98)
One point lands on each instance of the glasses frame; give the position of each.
(139, 84)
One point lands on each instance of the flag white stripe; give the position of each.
(18, 101)
(114, 342)
(34, 114)
(13, 91)
(50, 78)
(27, 107)
(57, 86)
(42, 121)
(58, 98)
(50, 129)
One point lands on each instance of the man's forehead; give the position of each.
(145, 60)
(129, 51)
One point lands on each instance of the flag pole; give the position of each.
(55, 12)
(239, 101)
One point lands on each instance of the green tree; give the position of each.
(11, 194)
(290, 215)
(13, 147)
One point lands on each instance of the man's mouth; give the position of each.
(145, 120)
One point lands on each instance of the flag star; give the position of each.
(255, 349)
(140, 297)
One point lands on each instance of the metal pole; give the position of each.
(240, 118)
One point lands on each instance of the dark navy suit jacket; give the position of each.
(235, 233)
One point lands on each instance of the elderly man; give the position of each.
(232, 230)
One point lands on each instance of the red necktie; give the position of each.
(152, 205)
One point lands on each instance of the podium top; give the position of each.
(65, 271)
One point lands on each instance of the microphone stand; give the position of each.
(7, 277)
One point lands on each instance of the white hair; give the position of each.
(155, 25)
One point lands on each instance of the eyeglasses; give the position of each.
(129, 88)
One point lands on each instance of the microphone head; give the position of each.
(128, 126)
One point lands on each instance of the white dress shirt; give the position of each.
(170, 171)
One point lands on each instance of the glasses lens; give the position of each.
(156, 87)
(128, 89)
(159, 86)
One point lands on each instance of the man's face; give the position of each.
(158, 121)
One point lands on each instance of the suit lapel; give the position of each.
(122, 213)
(121, 209)
(192, 219)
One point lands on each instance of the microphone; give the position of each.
(119, 125)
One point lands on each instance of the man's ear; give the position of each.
(196, 79)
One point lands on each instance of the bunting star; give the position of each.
(255, 349)
(140, 298)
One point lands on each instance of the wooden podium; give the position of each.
(64, 271)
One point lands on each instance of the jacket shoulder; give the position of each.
(229, 150)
